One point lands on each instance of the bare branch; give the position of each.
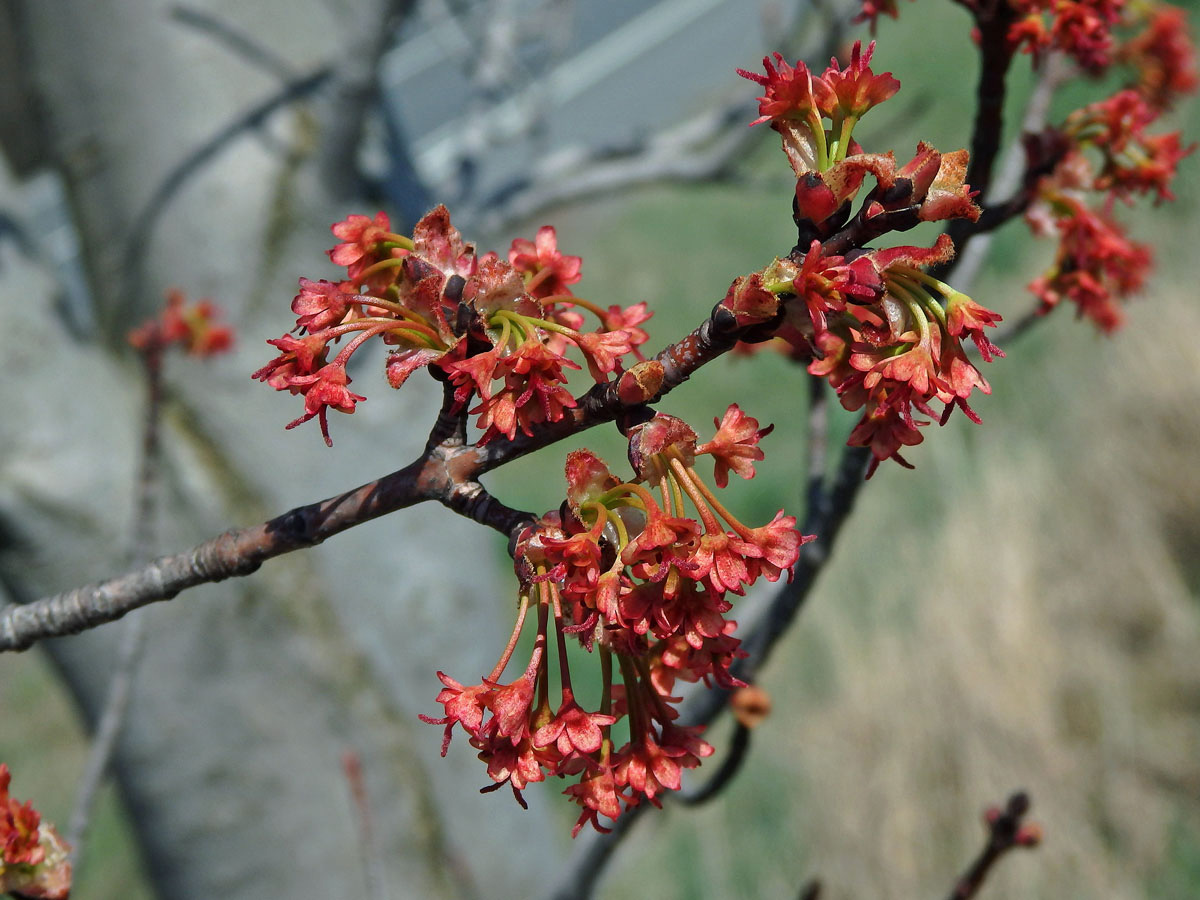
(739, 747)
(147, 219)
(1015, 182)
(1005, 832)
(243, 45)
(236, 552)
(120, 686)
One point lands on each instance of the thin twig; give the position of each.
(236, 552)
(368, 846)
(116, 702)
(995, 59)
(245, 46)
(1005, 832)
(108, 730)
(739, 747)
(146, 221)
(448, 475)
(1013, 182)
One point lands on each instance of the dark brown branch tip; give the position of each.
(1006, 831)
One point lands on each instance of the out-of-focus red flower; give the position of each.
(34, 861)
(1164, 57)
(194, 328)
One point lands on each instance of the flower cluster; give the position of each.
(194, 328)
(625, 569)
(884, 333)
(1080, 28)
(796, 102)
(1161, 55)
(34, 861)
(498, 330)
(1109, 154)
(888, 337)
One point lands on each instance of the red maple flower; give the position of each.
(515, 764)
(1083, 29)
(511, 705)
(321, 304)
(548, 272)
(1096, 265)
(735, 445)
(195, 328)
(778, 544)
(886, 426)
(650, 767)
(360, 238)
(572, 730)
(828, 283)
(791, 91)
(464, 706)
(855, 89)
(34, 860)
(1163, 56)
(325, 389)
(603, 350)
(596, 792)
(627, 319)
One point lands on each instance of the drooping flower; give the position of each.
(735, 445)
(325, 389)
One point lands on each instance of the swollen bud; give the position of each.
(641, 383)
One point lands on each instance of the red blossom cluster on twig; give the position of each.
(1109, 155)
(884, 333)
(195, 328)
(642, 570)
(1103, 152)
(498, 330)
(625, 569)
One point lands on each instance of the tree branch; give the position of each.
(1016, 181)
(147, 219)
(129, 651)
(446, 473)
(234, 553)
(1005, 832)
